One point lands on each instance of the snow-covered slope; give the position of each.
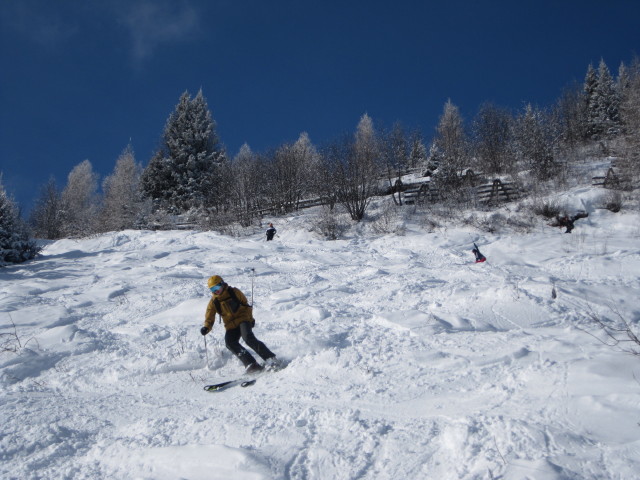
(406, 359)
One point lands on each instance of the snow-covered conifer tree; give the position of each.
(534, 143)
(590, 90)
(624, 80)
(610, 101)
(418, 151)
(630, 116)
(182, 174)
(602, 103)
(15, 244)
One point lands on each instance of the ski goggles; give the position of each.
(216, 288)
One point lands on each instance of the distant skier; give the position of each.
(567, 222)
(479, 257)
(231, 304)
(271, 231)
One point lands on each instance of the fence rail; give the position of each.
(419, 192)
(289, 207)
(610, 180)
(497, 191)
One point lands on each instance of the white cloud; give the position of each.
(154, 23)
(41, 24)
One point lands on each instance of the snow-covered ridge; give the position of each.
(406, 359)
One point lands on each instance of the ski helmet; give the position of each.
(215, 280)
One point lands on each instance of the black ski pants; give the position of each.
(232, 342)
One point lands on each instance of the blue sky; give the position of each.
(79, 79)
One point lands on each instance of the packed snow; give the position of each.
(405, 359)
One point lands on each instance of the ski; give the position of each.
(242, 381)
(216, 387)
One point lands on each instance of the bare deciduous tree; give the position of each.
(246, 187)
(492, 138)
(394, 149)
(80, 201)
(358, 173)
(452, 146)
(290, 168)
(123, 205)
(571, 119)
(46, 216)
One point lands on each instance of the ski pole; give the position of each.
(253, 273)
(206, 352)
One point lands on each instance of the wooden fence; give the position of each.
(610, 180)
(290, 207)
(497, 191)
(411, 194)
(419, 192)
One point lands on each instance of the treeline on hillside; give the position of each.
(191, 178)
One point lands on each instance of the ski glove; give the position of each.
(204, 330)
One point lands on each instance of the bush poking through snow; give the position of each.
(493, 223)
(389, 220)
(612, 201)
(329, 225)
(10, 341)
(617, 333)
(547, 208)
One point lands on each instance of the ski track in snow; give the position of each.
(406, 360)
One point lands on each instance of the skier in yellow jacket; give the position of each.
(237, 315)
